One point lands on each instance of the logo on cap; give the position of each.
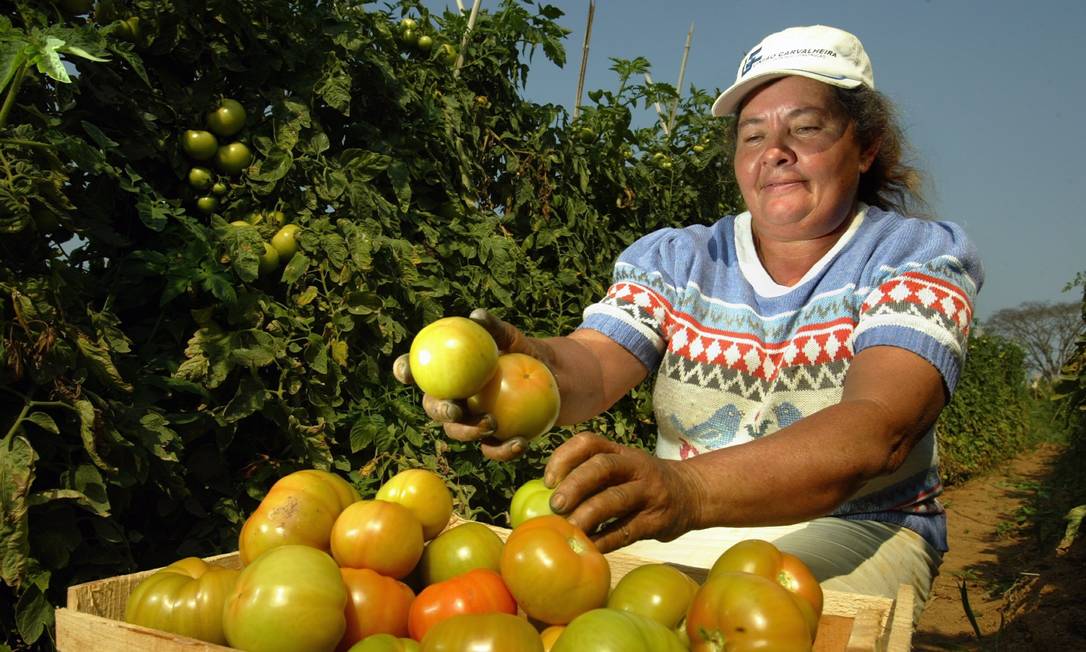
(754, 57)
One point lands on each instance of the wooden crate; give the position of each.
(93, 618)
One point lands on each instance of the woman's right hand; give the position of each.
(458, 422)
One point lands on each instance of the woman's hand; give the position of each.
(458, 423)
(618, 494)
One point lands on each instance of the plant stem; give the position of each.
(13, 90)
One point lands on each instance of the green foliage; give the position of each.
(153, 383)
(987, 420)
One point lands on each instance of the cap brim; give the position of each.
(729, 100)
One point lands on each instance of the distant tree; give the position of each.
(1046, 331)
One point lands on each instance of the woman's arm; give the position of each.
(593, 373)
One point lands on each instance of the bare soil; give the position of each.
(1022, 596)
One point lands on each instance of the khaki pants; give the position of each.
(866, 557)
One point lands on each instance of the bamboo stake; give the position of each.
(659, 109)
(464, 41)
(584, 57)
(460, 5)
(682, 75)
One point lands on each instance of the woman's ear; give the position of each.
(867, 156)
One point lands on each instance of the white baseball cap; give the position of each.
(826, 54)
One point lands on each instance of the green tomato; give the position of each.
(276, 217)
(460, 549)
(482, 632)
(530, 500)
(269, 262)
(408, 38)
(408, 23)
(611, 630)
(227, 119)
(219, 188)
(199, 145)
(657, 591)
(385, 643)
(448, 53)
(207, 203)
(185, 598)
(290, 598)
(285, 241)
(425, 43)
(200, 178)
(233, 158)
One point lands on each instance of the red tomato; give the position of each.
(657, 591)
(300, 507)
(458, 550)
(185, 598)
(741, 612)
(376, 534)
(522, 397)
(425, 493)
(483, 633)
(763, 558)
(554, 570)
(479, 591)
(376, 605)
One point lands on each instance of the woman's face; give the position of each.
(797, 160)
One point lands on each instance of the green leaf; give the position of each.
(33, 614)
(86, 433)
(12, 55)
(258, 349)
(401, 183)
(43, 421)
(335, 86)
(17, 458)
(48, 62)
(103, 141)
(248, 399)
(298, 265)
(100, 363)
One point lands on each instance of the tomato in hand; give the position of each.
(657, 591)
(423, 492)
(475, 592)
(379, 535)
(530, 500)
(459, 549)
(765, 559)
(742, 612)
(493, 632)
(376, 605)
(184, 598)
(554, 570)
(452, 358)
(613, 630)
(522, 396)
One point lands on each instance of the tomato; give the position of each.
(531, 499)
(277, 217)
(743, 611)
(385, 643)
(408, 23)
(227, 119)
(612, 630)
(452, 358)
(184, 598)
(407, 37)
(550, 635)
(290, 598)
(285, 241)
(218, 188)
(200, 178)
(425, 43)
(477, 591)
(376, 534)
(458, 550)
(448, 53)
(586, 135)
(207, 203)
(522, 397)
(494, 632)
(424, 493)
(233, 158)
(199, 145)
(554, 570)
(376, 605)
(240, 223)
(269, 260)
(300, 507)
(657, 591)
(763, 558)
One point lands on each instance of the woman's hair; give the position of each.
(892, 183)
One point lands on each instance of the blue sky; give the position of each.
(992, 95)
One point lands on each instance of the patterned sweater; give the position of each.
(738, 356)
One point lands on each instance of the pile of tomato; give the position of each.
(325, 569)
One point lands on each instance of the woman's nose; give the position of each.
(777, 151)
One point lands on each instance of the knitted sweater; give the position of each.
(738, 356)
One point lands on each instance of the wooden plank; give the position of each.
(79, 632)
(866, 632)
(900, 638)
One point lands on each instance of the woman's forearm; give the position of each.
(593, 372)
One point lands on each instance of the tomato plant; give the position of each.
(614, 630)
(300, 507)
(476, 591)
(554, 570)
(459, 549)
(452, 357)
(660, 592)
(765, 559)
(522, 396)
(376, 604)
(744, 611)
(376, 534)
(184, 598)
(531, 499)
(490, 632)
(290, 598)
(424, 493)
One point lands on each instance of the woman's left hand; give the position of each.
(619, 494)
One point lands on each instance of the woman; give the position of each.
(802, 350)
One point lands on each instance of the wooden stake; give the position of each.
(682, 75)
(467, 34)
(584, 57)
(460, 5)
(659, 110)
